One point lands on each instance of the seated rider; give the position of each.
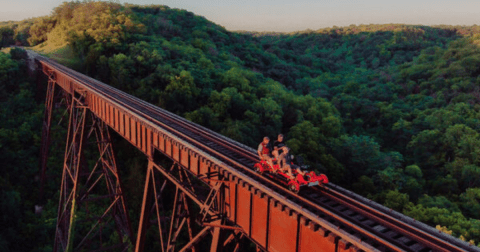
(264, 151)
(289, 164)
(279, 150)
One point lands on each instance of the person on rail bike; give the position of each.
(279, 151)
(289, 165)
(264, 151)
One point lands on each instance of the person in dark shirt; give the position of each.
(288, 166)
(287, 162)
(278, 144)
(279, 150)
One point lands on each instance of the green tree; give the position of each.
(9, 73)
(270, 113)
(471, 202)
(180, 94)
(122, 71)
(39, 30)
(6, 36)
(396, 200)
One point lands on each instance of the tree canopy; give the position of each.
(390, 111)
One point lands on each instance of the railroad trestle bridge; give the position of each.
(217, 194)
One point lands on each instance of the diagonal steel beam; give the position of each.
(196, 239)
(47, 123)
(67, 206)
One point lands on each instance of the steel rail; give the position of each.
(427, 235)
(389, 221)
(241, 150)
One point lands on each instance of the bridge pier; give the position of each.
(81, 186)
(47, 122)
(70, 178)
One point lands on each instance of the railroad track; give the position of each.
(368, 225)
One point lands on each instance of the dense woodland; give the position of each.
(390, 112)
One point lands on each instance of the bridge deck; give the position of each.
(327, 218)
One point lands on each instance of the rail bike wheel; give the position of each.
(293, 188)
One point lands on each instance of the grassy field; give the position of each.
(6, 50)
(63, 54)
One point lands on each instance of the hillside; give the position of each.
(389, 111)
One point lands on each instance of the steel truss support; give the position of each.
(209, 219)
(47, 121)
(54, 97)
(236, 239)
(81, 186)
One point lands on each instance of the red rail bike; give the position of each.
(298, 181)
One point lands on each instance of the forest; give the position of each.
(388, 111)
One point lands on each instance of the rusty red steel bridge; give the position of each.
(219, 200)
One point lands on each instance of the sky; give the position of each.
(293, 15)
